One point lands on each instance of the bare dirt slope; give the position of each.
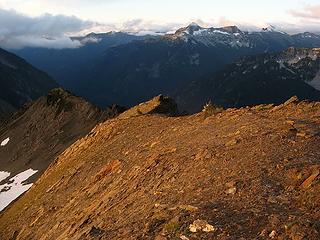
(250, 173)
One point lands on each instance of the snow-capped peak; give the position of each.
(194, 25)
(272, 28)
(231, 36)
(190, 29)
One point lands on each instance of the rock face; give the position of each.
(43, 129)
(158, 177)
(157, 105)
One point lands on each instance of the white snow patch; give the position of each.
(5, 142)
(200, 32)
(206, 31)
(90, 40)
(15, 187)
(4, 175)
(221, 32)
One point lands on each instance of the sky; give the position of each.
(57, 18)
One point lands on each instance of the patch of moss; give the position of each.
(171, 227)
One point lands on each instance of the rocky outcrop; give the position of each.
(158, 105)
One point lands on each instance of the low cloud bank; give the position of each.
(50, 31)
(309, 12)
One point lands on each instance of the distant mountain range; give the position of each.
(127, 69)
(265, 78)
(20, 82)
(66, 65)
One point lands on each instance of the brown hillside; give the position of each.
(45, 128)
(250, 173)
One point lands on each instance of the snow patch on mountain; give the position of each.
(90, 39)
(5, 142)
(14, 187)
(4, 175)
(206, 31)
(229, 36)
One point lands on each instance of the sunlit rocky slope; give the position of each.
(250, 173)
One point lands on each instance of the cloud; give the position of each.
(50, 31)
(137, 25)
(309, 12)
(308, 19)
(133, 26)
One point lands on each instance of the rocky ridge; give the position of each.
(43, 129)
(249, 173)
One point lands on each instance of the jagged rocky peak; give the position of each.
(64, 101)
(194, 29)
(57, 95)
(231, 29)
(92, 34)
(190, 29)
